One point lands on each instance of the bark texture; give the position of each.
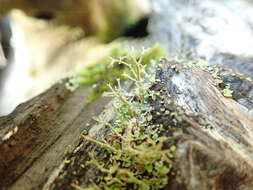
(34, 137)
(213, 136)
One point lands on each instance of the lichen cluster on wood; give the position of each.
(108, 70)
(140, 156)
(184, 105)
(139, 146)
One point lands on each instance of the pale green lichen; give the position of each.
(227, 92)
(108, 70)
(68, 150)
(139, 159)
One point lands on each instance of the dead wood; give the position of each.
(35, 135)
(213, 136)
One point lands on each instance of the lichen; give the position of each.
(108, 70)
(141, 157)
(68, 150)
(227, 92)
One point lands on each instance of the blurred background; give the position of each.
(44, 41)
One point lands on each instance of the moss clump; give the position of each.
(108, 70)
(140, 157)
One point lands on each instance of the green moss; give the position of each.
(108, 70)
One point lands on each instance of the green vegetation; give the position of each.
(140, 150)
(141, 157)
(68, 150)
(227, 92)
(108, 70)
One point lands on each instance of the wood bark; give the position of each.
(214, 141)
(35, 136)
(214, 137)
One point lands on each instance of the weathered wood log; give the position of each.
(213, 135)
(39, 131)
(215, 154)
(35, 135)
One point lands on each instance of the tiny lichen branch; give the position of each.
(110, 126)
(138, 158)
(108, 70)
(227, 92)
(104, 145)
(117, 94)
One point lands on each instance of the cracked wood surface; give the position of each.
(35, 135)
(215, 151)
(214, 140)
